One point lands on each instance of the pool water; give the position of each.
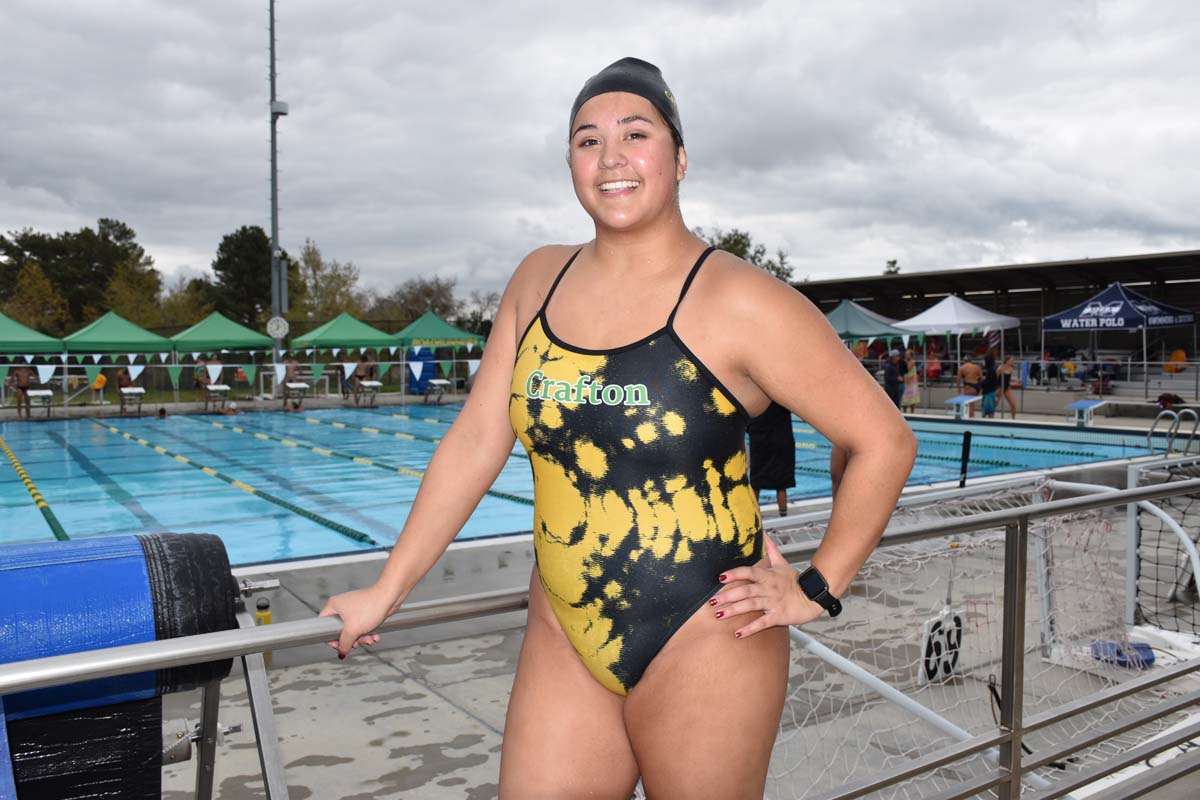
(278, 486)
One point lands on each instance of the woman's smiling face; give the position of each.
(624, 162)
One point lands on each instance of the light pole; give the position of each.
(279, 287)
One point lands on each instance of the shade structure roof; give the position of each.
(1118, 308)
(216, 331)
(430, 330)
(113, 333)
(952, 314)
(20, 339)
(345, 331)
(851, 320)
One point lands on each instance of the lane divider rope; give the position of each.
(370, 462)
(390, 432)
(51, 520)
(345, 530)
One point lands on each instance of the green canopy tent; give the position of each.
(218, 332)
(345, 331)
(430, 330)
(19, 340)
(113, 333)
(852, 321)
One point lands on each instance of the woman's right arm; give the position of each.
(463, 467)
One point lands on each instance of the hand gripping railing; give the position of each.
(1006, 778)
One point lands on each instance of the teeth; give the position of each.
(613, 186)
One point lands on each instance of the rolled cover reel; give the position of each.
(68, 597)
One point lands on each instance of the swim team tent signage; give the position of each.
(216, 332)
(19, 339)
(1119, 308)
(430, 330)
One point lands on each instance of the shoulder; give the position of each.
(542, 265)
(747, 294)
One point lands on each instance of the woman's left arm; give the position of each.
(799, 361)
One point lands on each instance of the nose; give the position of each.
(612, 154)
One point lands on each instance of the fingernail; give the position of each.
(712, 602)
(737, 635)
(342, 656)
(720, 614)
(723, 578)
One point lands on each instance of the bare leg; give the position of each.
(564, 736)
(782, 501)
(703, 718)
(1012, 407)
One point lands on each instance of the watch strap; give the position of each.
(823, 597)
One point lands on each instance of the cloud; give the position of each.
(428, 139)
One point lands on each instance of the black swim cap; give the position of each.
(636, 77)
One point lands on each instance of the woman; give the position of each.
(1006, 373)
(912, 388)
(656, 642)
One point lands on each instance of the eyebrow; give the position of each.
(621, 121)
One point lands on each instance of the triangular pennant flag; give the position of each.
(335, 351)
(195, 356)
(173, 371)
(415, 366)
(870, 340)
(280, 371)
(96, 358)
(446, 365)
(362, 350)
(308, 352)
(132, 357)
(472, 365)
(45, 372)
(317, 370)
(384, 366)
(92, 373)
(470, 347)
(904, 339)
(348, 367)
(416, 350)
(162, 357)
(136, 370)
(251, 371)
(62, 357)
(392, 351)
(214, 372)
(28, 359)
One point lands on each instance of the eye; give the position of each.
(588, 142)
(636, 135)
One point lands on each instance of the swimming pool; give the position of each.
(278, 486)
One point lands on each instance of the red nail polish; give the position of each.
(720, 614)
(712, 602)
(738, 635)
(341, 657)
(723, 578)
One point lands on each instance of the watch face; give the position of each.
(812, 583)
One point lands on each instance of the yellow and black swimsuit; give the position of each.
(641, 496)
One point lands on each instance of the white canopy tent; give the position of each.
(953, 315)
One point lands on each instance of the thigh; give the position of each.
(703, 718)
(564, 736)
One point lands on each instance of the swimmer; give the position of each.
(232, 410)
(162, 412)
(657, 637)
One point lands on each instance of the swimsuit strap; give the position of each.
(695, 268)
(554, 285)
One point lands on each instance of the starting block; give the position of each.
(1083, 411)
(40, 397)
(215, 393)
(294, 391)
(435, 388)
(131, 396)
(366, 391)
(961, 403)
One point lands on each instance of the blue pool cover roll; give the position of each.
(67, 597)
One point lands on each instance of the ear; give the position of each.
(680, 163)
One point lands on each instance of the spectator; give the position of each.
(21, 380)
(773, 453)
(912, 388)
(893, 377)
(970, 379)
(1006, 374)
(200, 378)
(990, 383)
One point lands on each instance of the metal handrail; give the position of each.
(20, 676)
(1195, 425)
(1166, 413)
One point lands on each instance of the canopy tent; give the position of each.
(115, 334)
(852, 321)
(953, 315)
(430, 330)
(216, 332)
(345, 331)
(19, 339)
(1119, 308)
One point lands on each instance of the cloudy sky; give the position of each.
(428, 138)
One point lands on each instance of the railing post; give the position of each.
(1132, 539)
(1012, 670)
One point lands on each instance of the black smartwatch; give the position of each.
(816, 588)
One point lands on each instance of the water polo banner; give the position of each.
(1120, 309)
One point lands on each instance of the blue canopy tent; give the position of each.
(1119, 308)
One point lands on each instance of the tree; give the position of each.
(185, 302)
(133, 293)
(891, 267)
(742, 245)
(331, 287)
(243, 276)
(479, 311)
(35, 302)
(414, 297)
